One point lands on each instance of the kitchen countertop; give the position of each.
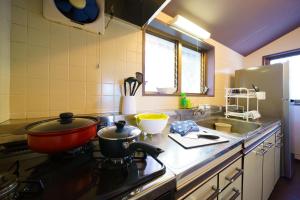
(179, 160)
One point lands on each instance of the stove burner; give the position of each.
(8, 185)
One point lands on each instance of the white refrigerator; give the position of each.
(274, 80)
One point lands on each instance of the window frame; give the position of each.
(267, 58)
(179, 44)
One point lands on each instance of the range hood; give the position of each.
(138, 12)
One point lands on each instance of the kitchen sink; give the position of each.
(239, 128)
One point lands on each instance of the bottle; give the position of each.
(183, 100)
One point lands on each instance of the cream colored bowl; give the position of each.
(152, 123)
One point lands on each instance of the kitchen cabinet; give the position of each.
(268, 167)
(260, 170)
(278, 146)
(252, 184)
(207, 191)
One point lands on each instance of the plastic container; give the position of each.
(223, 127)
(152, 123)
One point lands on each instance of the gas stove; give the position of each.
(82, 173)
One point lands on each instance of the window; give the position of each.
(293, 57)
(191, 71)
(171, 63)
(160, 63)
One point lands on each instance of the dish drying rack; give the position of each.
(243, 93)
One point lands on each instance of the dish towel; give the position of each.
(184, 127)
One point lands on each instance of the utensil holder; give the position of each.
(128, 105)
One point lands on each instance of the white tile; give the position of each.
(20, 3)
(59, 72)
(59, 36)
(19, 15)
(37, 86)
(58, 103)
(59, 56)
(18, 104)
(37, 103)
(77, 88)
(18, 85)
(38, 37)
(19, 51)
(107, 89)
(93, 73)
(107, 104)
(77, 73)
(77, 103)
(59, 88)
(18, 68)
(38, 54)
(93, 89)
(18, 33)
(37, 70)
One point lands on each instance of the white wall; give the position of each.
(5, 7)
(54, 67)
(287, 42)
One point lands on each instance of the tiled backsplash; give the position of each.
(4, 59)
(55, 68)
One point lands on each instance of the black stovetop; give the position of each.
(80, 174)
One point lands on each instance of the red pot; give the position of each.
(60, 134)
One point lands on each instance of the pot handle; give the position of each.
(147, 148)
(66, 117)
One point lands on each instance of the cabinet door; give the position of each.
(233, 191)
(277, 156)
(253, 165)
(207, 191)
(269, 167)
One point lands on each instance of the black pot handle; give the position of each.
(66, 117)
(120, 125)
(147, 148)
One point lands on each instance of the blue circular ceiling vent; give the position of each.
(80, 11)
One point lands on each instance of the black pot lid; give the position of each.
(80, 11)
(65, 122)
(119, 131)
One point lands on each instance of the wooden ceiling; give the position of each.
(242, 25)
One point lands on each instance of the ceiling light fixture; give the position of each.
(186, 26)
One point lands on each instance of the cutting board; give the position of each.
(188, 142)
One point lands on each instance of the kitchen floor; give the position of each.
(288, 189)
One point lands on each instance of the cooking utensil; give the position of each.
(204, 136)
(140, 79)
(129, 80)
(60, 134)
(255, 88)
(120, 141)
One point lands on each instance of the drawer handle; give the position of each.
(279, 145)
(269, 145)
(235, 176)
(261, 152)
(236, 194)
(215, 194)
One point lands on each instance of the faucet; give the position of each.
(204, 109)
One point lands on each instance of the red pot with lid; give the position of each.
(61, 134)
